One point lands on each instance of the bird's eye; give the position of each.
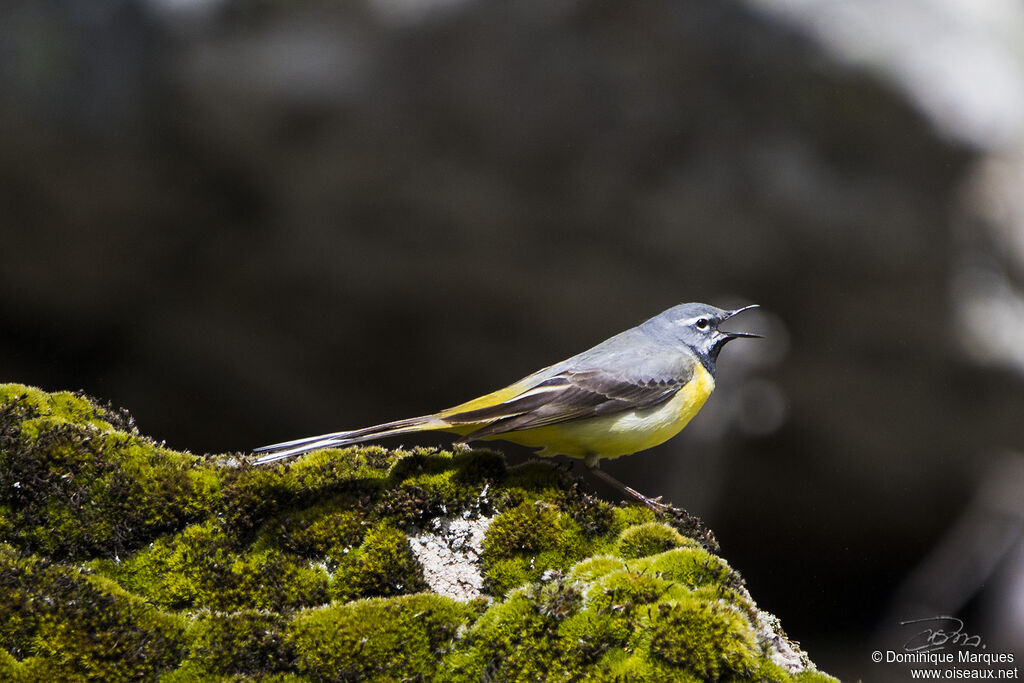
(702, 323)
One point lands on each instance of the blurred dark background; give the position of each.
(253, 221)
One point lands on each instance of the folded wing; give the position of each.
(568, 396)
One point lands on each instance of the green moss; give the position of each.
(623, 590)
(593, 567)
(329, 529)
(377, 639)
(429, 483)
(516, 640)
(123, 560)
(382, 565)
(595, 517)
(480, 466)
(248, 642)
(252, 495)
(630, 515)
(538, 476)
(425, 485)
(527, 528)
(529, 539)
(692, 567)
(650, 539)
(81, 625)
(199, 568)
(33, 669)
(78, 489)
(674, 616)
(539, 632)
(330, 469)
(710, 638)
(60, 406)
(9, 666)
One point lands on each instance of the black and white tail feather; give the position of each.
(286, 449)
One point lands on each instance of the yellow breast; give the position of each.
(623, 433)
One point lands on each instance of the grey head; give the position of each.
(696, 326)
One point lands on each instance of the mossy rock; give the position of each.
(377, 639)
(121, 559)
(71, 624)
(641, 540)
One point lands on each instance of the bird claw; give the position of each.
(656, 505)
(653, 504)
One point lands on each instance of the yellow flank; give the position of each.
(621, 433)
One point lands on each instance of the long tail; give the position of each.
(287, 449)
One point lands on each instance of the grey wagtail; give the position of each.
(628, 393)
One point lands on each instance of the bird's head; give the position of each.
(697, 326)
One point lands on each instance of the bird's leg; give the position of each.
(653, 503)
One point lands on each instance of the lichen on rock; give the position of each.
(121, 559)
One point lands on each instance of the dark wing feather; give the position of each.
(565, 397)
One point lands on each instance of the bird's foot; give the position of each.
(654, 504)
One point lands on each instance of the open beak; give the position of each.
(736, 335)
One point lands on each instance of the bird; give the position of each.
(631, 392)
